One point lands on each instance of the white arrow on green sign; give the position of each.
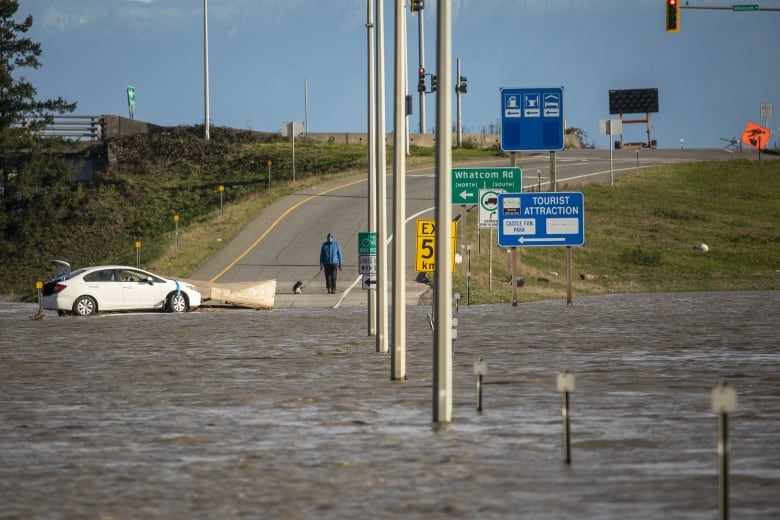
(466, 182)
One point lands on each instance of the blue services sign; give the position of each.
(541, 219)
(531, 119)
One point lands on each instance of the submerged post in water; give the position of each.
(565, 384)
(724, 401)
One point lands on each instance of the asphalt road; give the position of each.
(283, 242)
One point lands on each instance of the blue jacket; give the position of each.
(330, 253)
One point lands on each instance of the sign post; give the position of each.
(766, 108)
(542, 219)
(488, 209)
(367, 258)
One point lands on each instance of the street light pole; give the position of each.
(372, 181)
(206, 67)
(398, 350)
(442, 335)
(381, 173)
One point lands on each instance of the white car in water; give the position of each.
(106, 288)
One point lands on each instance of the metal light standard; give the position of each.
(372, 180)
(398, 350)
(206, 67)
(381, 173)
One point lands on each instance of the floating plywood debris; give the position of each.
(254, 295)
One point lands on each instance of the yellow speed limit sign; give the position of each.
(426, 245)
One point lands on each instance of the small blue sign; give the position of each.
(541, 219)
(532, 119)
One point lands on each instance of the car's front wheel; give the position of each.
(85, 306)
(177, 302)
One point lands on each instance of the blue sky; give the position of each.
(712, 76)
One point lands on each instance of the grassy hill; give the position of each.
(639, 234)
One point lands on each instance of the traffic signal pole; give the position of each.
(737, 8)
(673, 7)
(421, 55)
(457, 93)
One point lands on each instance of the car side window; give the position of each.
(100, 276)
(137, 276)
(130, 276)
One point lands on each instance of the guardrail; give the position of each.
(74, 127)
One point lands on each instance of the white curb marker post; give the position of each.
(565, 384)
(724, 401)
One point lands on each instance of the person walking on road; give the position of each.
(330, 260)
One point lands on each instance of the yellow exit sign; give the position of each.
(426, 245)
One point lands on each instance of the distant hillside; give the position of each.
(151, 178)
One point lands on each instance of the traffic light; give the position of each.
(434, 82)
(672, 15)
(417, 5)
(462, 85)
(421, 80)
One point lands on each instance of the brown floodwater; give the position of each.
(292, 414)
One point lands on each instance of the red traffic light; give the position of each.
(422, 70)
(672, 16)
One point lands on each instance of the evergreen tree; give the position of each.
(33, 179)
(21, 114)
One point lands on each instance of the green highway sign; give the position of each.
(745, 7)
(466, 182)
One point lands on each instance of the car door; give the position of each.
(103, 285)
(141, 290)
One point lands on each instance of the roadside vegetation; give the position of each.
(641, 235)
(645, 235)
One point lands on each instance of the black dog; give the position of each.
(298, 287)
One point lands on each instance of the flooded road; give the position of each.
(292, 414)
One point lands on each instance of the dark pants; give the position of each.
(330, 276)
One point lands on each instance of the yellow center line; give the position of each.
(276, 222)
(287, 212)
